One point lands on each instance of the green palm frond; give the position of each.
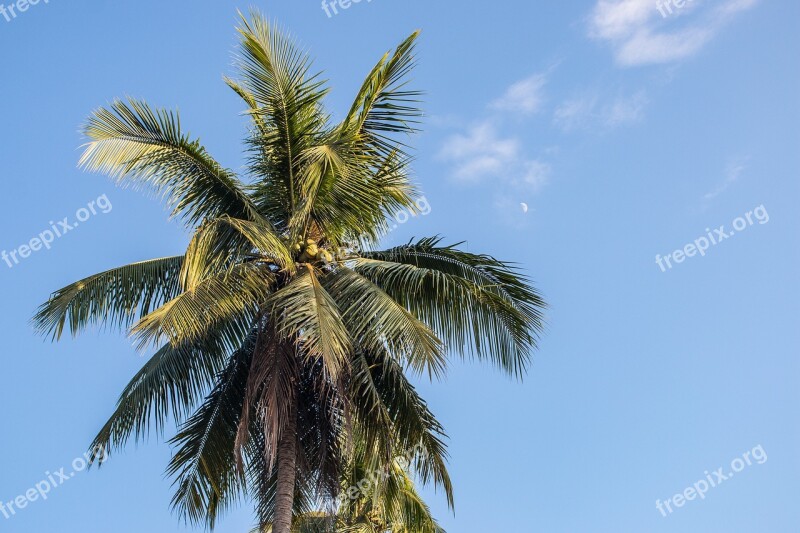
(171, 383)
(207, 478)
(304, 311)
(383, 106)
(234, 296)
(379, 322)
(348, 193)
(475, 303)
(275, 76)
(226, 241)
(391, 415)
(356, 174)
(114, 298)
(140, 146)
(388, 501)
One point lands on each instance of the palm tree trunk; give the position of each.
(287, 471)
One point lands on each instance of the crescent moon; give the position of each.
(524, 207)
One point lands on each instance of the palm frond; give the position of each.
(348, 192)
(207, 479)
(234, 296)
(226, 241)
(141, 146)
(171, 383)
(114, 298)
(387, 500)
(356, 174)
(391, 415)
(275, 77)
(304, 311)
(379, 322)
(476, 304)
(383, 106)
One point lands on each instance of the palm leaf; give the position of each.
(114, 298)
(207, 478)
(226, 241)
(275, 78)
(378, 322)
(172, 382)
(304, 311)
(392, 415)
(141, 146)
(234, 296)
(382, 105)
(475, 303)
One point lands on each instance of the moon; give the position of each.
(524, 207)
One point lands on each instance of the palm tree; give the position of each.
(282, 334)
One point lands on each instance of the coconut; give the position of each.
(312, 250)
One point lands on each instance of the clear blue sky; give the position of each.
(627, 133)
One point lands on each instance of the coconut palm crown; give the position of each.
(283, 335)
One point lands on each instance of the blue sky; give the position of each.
(626, 132)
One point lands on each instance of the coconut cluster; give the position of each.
(309, 250)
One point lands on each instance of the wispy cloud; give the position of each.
(588, 112)
(482, 154)
(732, 175)
(575, 113)
(526, 96)
(625, 110)
(640, 35)
(479, 153)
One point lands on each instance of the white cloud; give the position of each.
(625, 110)
(616, 19)
(644, 32)
(535, 177)
(587, 112)
(732, 175)
(645, 47)
(481, 155)
(525, 96)
(575, 113)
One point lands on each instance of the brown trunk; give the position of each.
(287, 462)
